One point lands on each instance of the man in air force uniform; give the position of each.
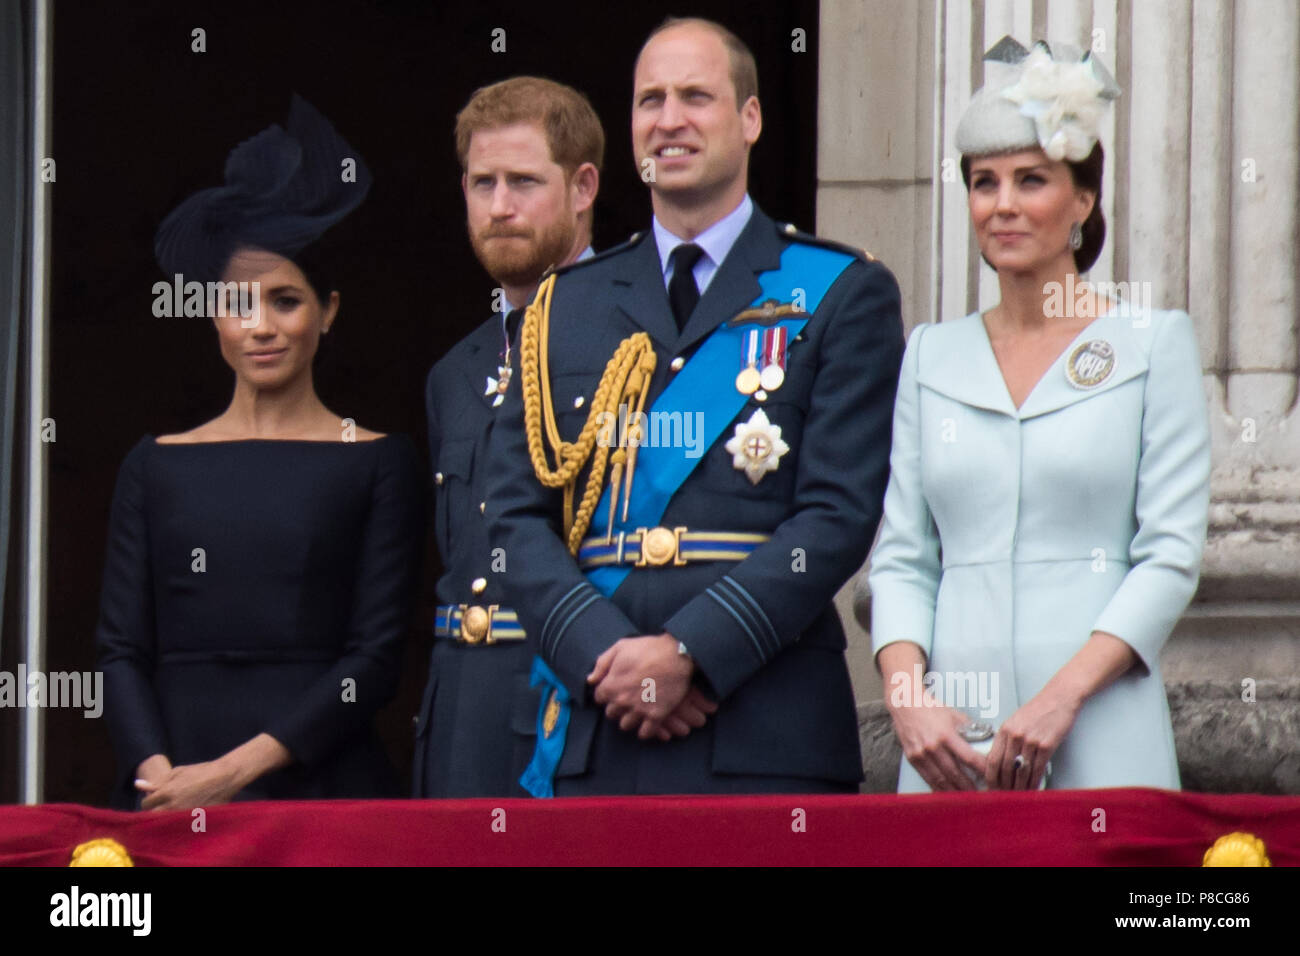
(530, 151)
(731, 382)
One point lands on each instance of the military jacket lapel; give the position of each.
(481, 359)
(641, 294)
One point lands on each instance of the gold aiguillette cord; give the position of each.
(625, 381)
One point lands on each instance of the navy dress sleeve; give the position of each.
(126, 636)
(342, 703)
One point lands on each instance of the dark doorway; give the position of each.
(140, 121)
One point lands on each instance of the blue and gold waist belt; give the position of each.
(477, 624)
(656, 547)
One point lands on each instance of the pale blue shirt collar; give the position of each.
(716, 241)
(586, 254)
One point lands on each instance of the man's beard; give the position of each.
(522, 260)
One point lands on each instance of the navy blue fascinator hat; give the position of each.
(284, 187)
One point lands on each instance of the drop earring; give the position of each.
(1076, 236)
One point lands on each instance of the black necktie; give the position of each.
(683, 294)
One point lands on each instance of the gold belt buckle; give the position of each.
(476, 623)
(659, 546)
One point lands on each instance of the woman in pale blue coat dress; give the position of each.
(1047, 505)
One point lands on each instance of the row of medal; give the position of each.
(762, 360)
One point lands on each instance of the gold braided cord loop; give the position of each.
(626, 380)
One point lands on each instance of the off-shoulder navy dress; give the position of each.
(260, 586)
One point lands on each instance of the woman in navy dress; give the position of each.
(261, 566)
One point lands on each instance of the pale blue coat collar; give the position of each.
(965, 368)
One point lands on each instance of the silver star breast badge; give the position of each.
(756, 448)
(497, 386)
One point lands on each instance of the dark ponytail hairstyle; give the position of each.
(1087, 175)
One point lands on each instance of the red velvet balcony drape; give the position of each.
(1129, 827)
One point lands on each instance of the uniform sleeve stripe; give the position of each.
(545, 636)
(765, 623)
(753, 639)
(559, 631)
(738, 607)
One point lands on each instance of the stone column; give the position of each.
(874, 167)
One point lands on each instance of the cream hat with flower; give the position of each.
(1053, 98)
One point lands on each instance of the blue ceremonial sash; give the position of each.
(706, 384)
(539, 777)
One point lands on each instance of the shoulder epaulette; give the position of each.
(629, 243)
(790, 231)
